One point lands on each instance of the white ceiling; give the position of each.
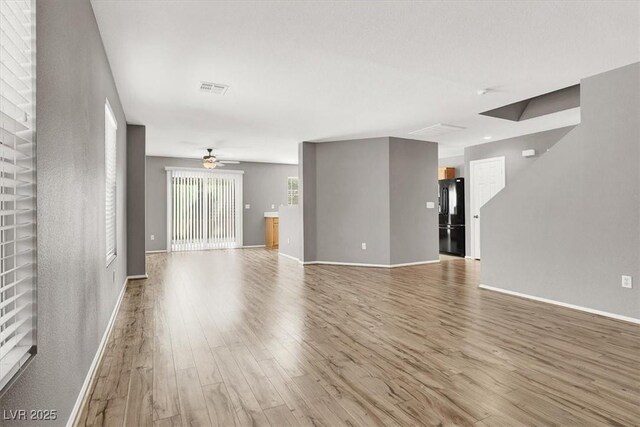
(321, 71)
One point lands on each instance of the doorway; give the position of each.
(487, 179)
(204, 209)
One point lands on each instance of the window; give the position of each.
(17, 187)
(110, 143)
(292, 190)
(204, 209)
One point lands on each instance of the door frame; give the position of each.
(239, 200)
(472, 165)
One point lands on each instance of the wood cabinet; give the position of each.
(271, 232)
(446, 173)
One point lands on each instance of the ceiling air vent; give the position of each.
(217, 88)
(436, 130)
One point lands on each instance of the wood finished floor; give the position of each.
(246, 337)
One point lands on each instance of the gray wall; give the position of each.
(289, 231)
(264, 184)
(569, 227)
(456, 162)
(76, 291)
(307, 198)
(369, 191)
(511, 149)
(352, 201)
(136, 143)
(413, 181)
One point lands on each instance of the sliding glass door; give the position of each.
(204, 209)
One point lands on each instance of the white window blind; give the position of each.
(17, 186)
(292, 190)
(204, 209)
(110, 144)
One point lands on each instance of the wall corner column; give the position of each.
(136, 188)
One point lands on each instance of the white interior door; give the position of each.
(487, 179)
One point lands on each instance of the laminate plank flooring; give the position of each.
(244, 337)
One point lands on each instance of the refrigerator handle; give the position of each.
(446, 201)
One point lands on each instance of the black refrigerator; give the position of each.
(451, 216)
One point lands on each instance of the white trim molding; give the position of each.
(93, 368)
(160, 251)
(252, 246)
(563, 304)
(288, 256)
(138, 277)
(358, 264)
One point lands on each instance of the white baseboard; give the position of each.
(470, 257)
(288, 256)
(253, 246)
(96, 360)
(563, 304)
(156, 252)
(138, 277)
(358, 264)
(409, 264)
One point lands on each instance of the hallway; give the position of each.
(247, 337)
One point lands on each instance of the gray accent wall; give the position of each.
(289, 231)
(307, 199)
(511, 149)
(136, 143)
(371, 191)
(413, 181)
(264, 185)
(569, 227)
(352, 201)
(77, 292)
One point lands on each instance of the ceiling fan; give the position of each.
(210, 161)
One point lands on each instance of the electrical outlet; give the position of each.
(273, 206)
(364, 246)
(247, 206)
(431, 205)
(153, 237)
(627, 282)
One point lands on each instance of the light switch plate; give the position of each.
(273, 206)
(627, 282)
(247, 206)
(364, 246)
(431, 205)
(153, 237)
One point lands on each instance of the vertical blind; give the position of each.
(110, 144)
(17, 186)
(205, 209)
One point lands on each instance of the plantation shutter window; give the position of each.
(17, 187)
(292, 190)
(204, 209)
(110, 143)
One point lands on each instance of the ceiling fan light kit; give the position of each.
(209, 161)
